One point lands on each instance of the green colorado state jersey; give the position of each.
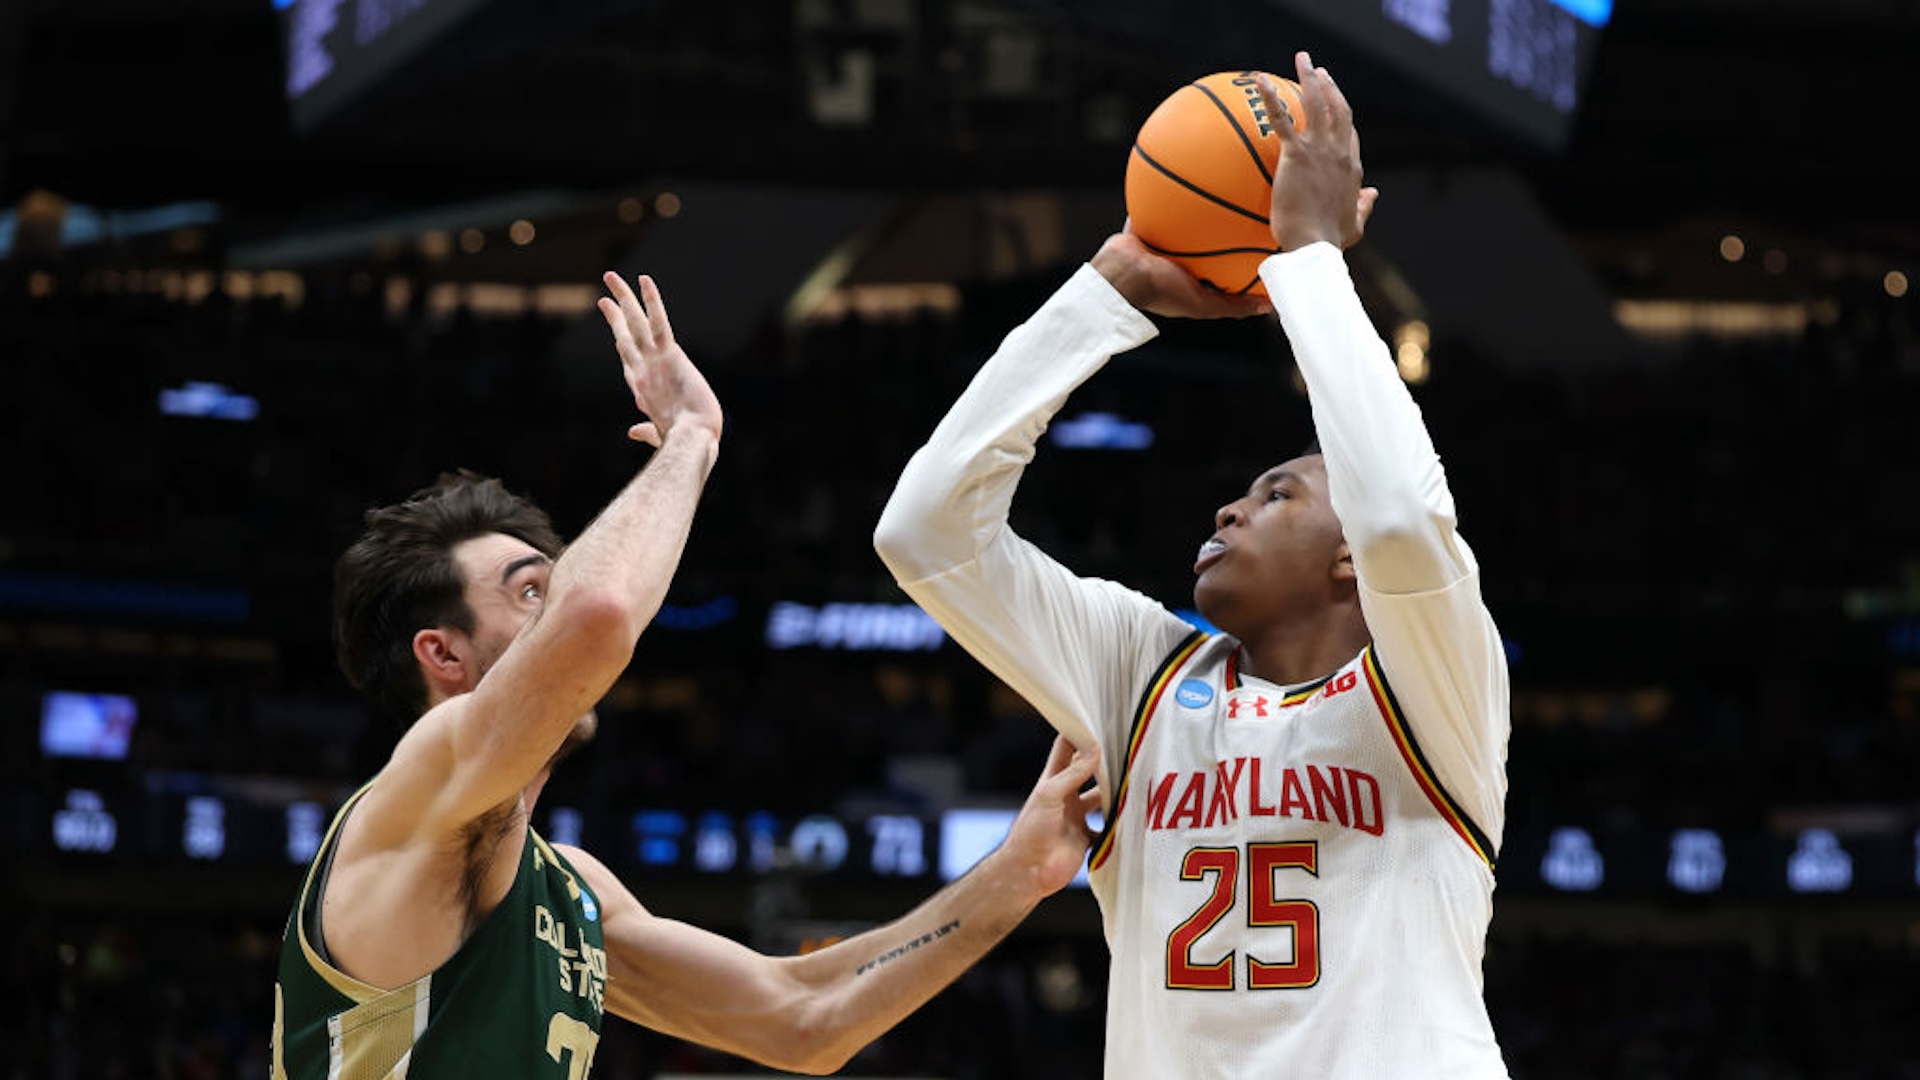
(522, 997)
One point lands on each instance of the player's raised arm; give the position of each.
(1050, 634)
(1386, 482)
(1419, 581)
(478, 750)
(812, 1013)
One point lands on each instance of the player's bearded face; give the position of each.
(1276, 552)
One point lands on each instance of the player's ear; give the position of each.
(440, 662)
(1343, 563)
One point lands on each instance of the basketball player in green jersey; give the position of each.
(437, 935)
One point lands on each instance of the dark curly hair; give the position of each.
(399, 578)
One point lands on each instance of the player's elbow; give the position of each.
(933, 518)
(597, 624)
(810, 1044)
(892, 541)
(900, 537)
(818, 1064)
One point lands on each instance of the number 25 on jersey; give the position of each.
(1264, 862)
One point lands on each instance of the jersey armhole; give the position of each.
(1150, 696)
(317, 888)
(1443, 801)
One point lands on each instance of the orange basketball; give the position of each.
(1200, 177)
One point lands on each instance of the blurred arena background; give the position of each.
(266, 263)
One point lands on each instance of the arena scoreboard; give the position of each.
(337, 50)
(1519, 64)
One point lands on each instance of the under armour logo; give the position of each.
(1258, 705)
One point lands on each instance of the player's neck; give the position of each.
(1294, 652)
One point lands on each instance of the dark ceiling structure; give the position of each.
(1779, 117)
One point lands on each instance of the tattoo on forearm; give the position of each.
(899, 951)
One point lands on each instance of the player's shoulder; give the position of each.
(1205, 648)
(577, 857)
(615, 899)
(1199, 656)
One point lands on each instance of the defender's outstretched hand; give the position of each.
(666, 386)
(1161, 286)
(1051, 833)
(1316, 187)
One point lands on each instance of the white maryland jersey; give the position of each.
(1295, 881)
(1287, 886)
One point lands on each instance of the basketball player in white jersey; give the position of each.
(1296, 876)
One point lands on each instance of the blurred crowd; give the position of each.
(188, 997)
(1699, 560)
(1696, 560)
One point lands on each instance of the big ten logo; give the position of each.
(1342, 683)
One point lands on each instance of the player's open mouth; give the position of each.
(1209, 553)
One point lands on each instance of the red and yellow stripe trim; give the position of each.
(1423, 774)
(1142, 718)
(1304, 694)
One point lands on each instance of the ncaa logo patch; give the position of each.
(1193, 693)
(588, 907)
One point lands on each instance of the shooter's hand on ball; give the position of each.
(1316, 185)
(1161, 287)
